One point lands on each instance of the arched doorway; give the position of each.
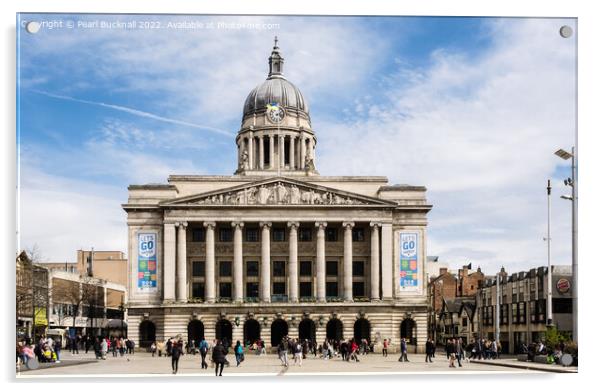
(334, 329)
(251, 331)
(307, 330)
(196, 331)
(147, 333)
(279, 330)
(408, 330)
(361, 330)
(223, 331)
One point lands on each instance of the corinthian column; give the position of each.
(291, 153)
(209, 261)
(237, 269)
(281, 151)
(265, 261)
(169, 262)
(348, 261)
(182, 275)
(261, 153)
(302, 154)
(374, 260)
(293, 265)
(321, 262)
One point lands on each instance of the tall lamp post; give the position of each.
(572, 181)
(549, 321)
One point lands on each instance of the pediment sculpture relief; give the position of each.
(279, 193)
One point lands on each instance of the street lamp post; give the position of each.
(549, 321)
(572, 181)
(497, 307)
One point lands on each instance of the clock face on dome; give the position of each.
(276, 114)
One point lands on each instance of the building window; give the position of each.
(279, 269)
(332, 289)
(464, 322)
(278, 235)
(359, 289)
(562, 306)
(522, 312)
(252, 268)
(225, 234)
(305, 289)
(198, 235)
(332, 268)
(252, 289)
(278, 288)
(533, 311)
(198, 290)
(198, 269)
(358, 268)
(225, 290)
(305, 234)
(225, 269)
(515, 313)
(252, 235)
(331, 234)
(357, 234)
(305, 268)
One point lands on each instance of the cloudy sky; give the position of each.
(471, 108)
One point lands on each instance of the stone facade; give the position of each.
(276, 248)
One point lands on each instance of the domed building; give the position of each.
(276, 248)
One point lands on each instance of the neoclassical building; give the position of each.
(277, 249)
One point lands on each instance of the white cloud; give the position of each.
(480, 134)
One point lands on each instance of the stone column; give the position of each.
(169, 262)
(265, 262)
(374, 262)
(348, 261)
(261, 153)
(293, 265)
(237, 266)
(251, 150)
(281, 151)
(387, 261)
(291, 152)
(181, 266)
(272, 163)
(302, 156)
(321, 262)
(209, 261)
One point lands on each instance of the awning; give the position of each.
(114, 324)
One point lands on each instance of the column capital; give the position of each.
(181, 224)
(348, 224)
(209, 224)
(237, 224)
(321, 224)
(263, 224)
(376, 224)
(293, 224)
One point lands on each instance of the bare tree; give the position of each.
(75, 293)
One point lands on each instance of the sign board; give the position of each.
(41, 319)
(563, 285)
(408, 262)
(147, 262)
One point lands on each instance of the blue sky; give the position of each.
(472, 108)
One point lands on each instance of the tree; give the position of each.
(75, 293)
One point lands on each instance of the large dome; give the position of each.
(276, 89)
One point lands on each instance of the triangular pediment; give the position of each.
(277, 191)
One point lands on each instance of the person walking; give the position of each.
(219, 357)
(429, 349)
(386, 348)
(104, 348)
(298, 352)
(404, 351)
(282, 352)
(459, 351)
(238, 353)
(204, 348)
(176, 352)
(153, 349)
(450, 349)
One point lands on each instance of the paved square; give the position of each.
(268, 365)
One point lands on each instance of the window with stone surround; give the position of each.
(278, 234)
(198, 235)
(357, 234)
(305, 234)
(359, 289)
(331, 234)
(279, 268)
(225, 290)
(305, 289)
(198, 290)
(225, 234)
(332, 289)
(251, 234)
(358, 268)
(252, 268)
(252, 289)
(198, 269)
(305, 268)
(225, 269)
(332, 268)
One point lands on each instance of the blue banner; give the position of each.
(147, 261)
(408, 262)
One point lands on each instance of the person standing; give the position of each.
(404, 351)
(57, 350)
(204, 348)
(385, 348)
(219, 357)
(238, 353)
(176, 352)
(282, 352)
(104, 348)
(298, 352)
(451, 352)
